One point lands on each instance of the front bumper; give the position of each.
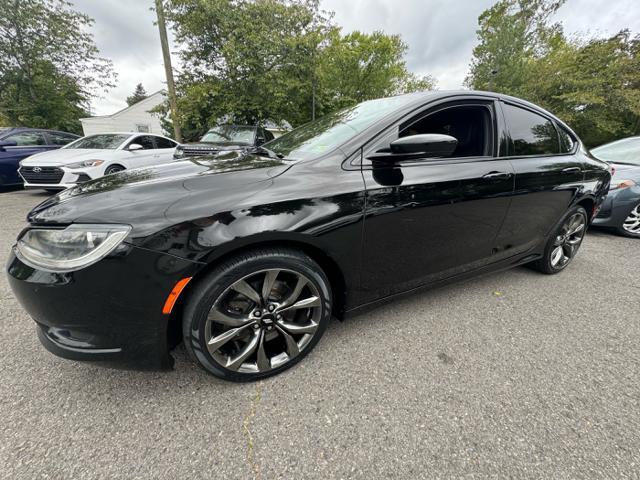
(617, 206)
(66, 177)
(109, 312)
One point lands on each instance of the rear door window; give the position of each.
(531, 134)
(27, 139)
(164, 143)
(57, 138)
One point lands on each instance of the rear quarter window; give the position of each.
(567, 142)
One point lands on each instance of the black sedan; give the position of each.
(621, 209)
(245, 256)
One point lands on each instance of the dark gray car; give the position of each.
(621, 208)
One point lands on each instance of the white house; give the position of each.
(135, 118)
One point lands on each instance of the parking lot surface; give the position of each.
(515, 374)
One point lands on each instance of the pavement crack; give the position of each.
(246, 424)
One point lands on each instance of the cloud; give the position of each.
(440, 34)
(125, 33)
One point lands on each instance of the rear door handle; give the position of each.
(571, 169)
(497, 176)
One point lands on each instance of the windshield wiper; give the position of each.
(262, 151)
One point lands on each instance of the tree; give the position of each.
(511, 34)
(254, 60)
(359, 66)
(593, 84)
(49, 64)
(138, 94)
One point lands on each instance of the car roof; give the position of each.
(28, 129)
(131, 134)
(234, 125)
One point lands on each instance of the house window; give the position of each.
(142, 128)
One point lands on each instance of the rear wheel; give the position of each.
(564, 243)
(631, 226)
(257, 314)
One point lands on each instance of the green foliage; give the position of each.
(138, 94)
(358, 67)
(49, 64)
(254, 60)
(592, 84)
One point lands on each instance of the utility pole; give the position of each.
(313, 98)
(168, 70)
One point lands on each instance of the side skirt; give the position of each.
(493, 268)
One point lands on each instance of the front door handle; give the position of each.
(497, 176)
(571, 170)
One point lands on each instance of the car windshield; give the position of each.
(622, 151)
(104, 141)
(230, 134)
(327, 133)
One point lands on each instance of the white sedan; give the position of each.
(94, 156)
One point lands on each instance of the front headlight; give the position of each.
(86, 164)
(72, 248)
(178, 153)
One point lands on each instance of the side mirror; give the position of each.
(415, 147)
(135, 146)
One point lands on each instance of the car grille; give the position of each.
(196, 152)
(42, 175)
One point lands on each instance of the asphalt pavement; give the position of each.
(515, 374)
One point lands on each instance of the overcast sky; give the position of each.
(440, 34)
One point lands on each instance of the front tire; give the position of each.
(631, 226)
(564, 242)
(113, 169)
(257, 314)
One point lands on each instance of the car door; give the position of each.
(144, 157)
(27, 143)
(431, 219)
(164, 150)
(548, 176)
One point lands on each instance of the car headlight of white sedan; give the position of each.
(71, 248)
(85, 164)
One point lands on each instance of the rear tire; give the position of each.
(563, 244)
(257, 314)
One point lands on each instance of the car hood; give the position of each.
(65, 156)
(152, 198)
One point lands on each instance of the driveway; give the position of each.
(514, 374)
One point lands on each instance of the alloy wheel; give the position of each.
(263, 321)
(632, 223)
(568, 240)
